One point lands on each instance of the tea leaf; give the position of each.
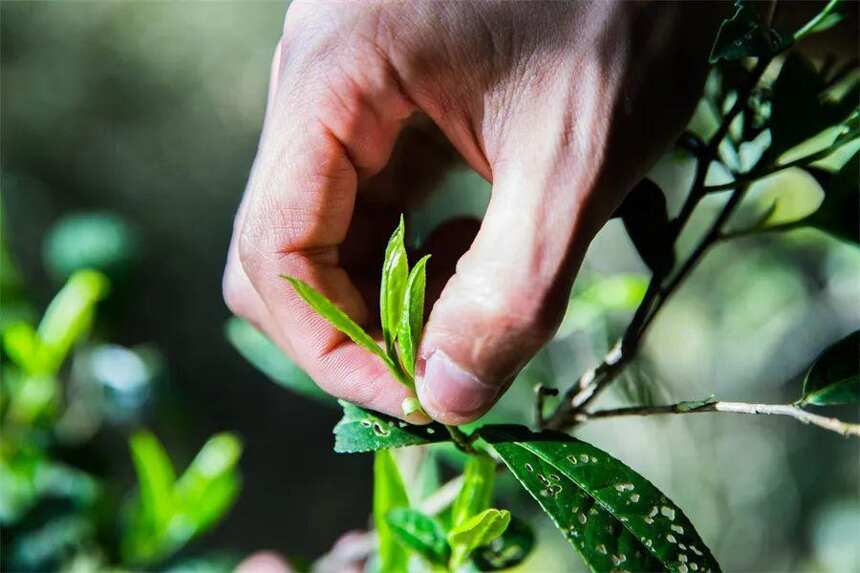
(395, 273)
(22, 345)
(420, 533)
(156, 478)
(613, 517)
(647, 222)
(209, 486)
(412, 317)
(69, 317)
(476, 493)
(388, 494)
(835, 376)
(339, 319)
(743, 35)
(362, 431)
(508, 550)
(475, 532)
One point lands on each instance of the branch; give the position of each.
(592, 382)
(752, 176)
(832, 424)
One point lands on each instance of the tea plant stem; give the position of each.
(832, 424)
(593, 381)
(461, 440)
(751, 176)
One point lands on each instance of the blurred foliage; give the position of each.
(54, 515)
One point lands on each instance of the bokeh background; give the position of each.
(150, 112)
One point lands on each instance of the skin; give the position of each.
(561, 106)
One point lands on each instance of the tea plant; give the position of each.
(767, 113)
(58, 516)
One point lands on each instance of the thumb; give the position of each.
(509, 292)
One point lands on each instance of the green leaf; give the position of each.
(22, 345)
(209, 486)
(835, 376)
(799, 108)
(420, 533)
(830, 15)
(785, 197)
(69, 317)
(647, 222)
(261, 352)
(412, 318)
(362, 431)
(336, 317)
(613, 517)
(838, 214)
(478, 530)
(743, 35)
(388, 494)
(507, 551)
(155, 476)
(395, 273)
(476, 493)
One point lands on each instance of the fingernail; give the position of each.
(450, 392)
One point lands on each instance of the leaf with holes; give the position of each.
(614, 518)
(478, 530)
(412, 316)
(362, 431)
(420, 533)
(395, 273)
(508, 550)
(835, 377)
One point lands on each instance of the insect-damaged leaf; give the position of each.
(614, 518)
(362, 431)
(835, 376)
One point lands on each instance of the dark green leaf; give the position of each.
(257, 349)
(339, 319)
(388, 494)
(478, 530)
(476, 493)
(839, 215)
(420, 533)
(506, 551)
(835, 376)
(743, 35)
(362, 431)
(412, 317)
(647, 222)
(799, 108)
(614, 517)
(395, 273)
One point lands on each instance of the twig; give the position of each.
(832, 424)
(751, 176)
(461, 440)
(541, 392)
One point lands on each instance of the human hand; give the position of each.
(562, 106)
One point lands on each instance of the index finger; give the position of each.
(320, 135)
